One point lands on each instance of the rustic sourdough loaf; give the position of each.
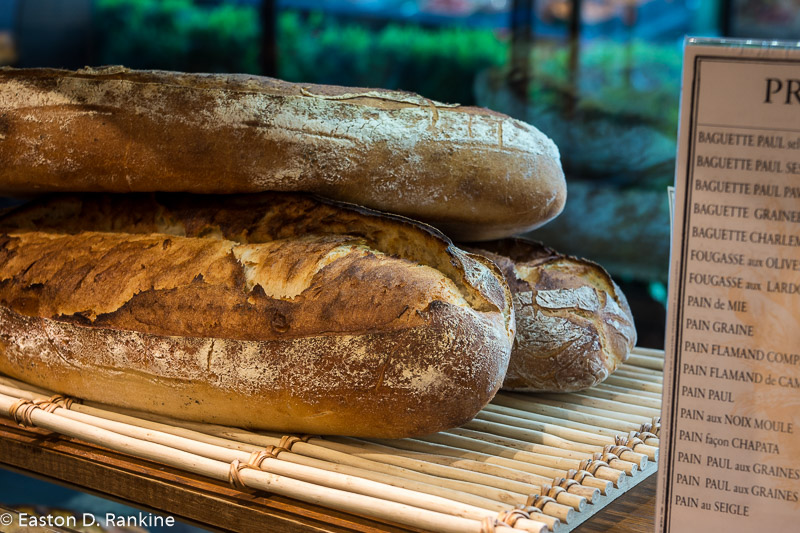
(574, 326)
(472, 173)
(273, 311)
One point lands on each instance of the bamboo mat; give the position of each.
(535, 463)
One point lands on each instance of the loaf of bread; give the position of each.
(274, 311)
(472, 173)
(574, 326)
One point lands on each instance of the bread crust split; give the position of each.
(276, 311)
(473, 173)
(574, 325)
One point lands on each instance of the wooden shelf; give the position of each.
(633, 512)
(216, 506)
(156, 488)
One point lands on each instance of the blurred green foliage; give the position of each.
(629, 81)
(438, 63)
(177, 35)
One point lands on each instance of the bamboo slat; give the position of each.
(561, 457)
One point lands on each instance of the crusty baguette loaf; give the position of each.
(472, 173)
(273, 311)
(574, 326)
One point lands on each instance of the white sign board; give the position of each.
(730, 448)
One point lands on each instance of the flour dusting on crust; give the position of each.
(317, 384)
(469, 171)
(281, 313)
(573, 323)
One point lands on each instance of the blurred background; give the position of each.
(600, 77)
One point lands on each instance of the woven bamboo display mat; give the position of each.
(527, 462)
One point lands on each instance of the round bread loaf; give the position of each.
(472, 173)
(574, 326)
(275, 311)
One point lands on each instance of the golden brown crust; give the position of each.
(574, 325)
(278, 302)
(263, 218)
(473, 173)
(172, 285)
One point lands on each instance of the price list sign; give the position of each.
(731, 415)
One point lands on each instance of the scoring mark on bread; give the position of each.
(210, 354)
(500, 134)
(389, 96)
